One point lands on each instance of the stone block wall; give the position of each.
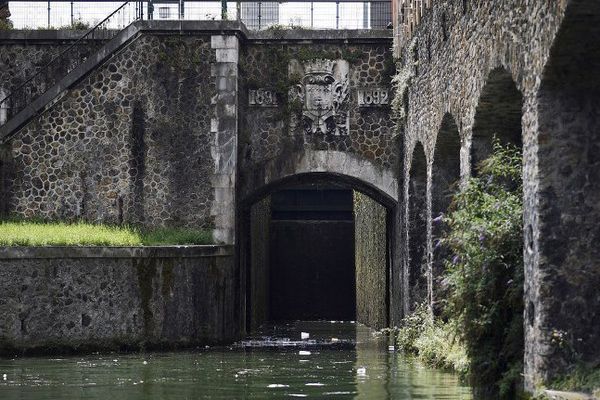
(371, 260)
(62, 299)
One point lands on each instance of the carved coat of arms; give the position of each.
(323, 93)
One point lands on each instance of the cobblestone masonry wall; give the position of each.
(130, 143)
(446, 68)
(27, 52)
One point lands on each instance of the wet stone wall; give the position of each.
(82, 299)
(371, 251)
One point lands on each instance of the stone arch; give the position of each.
(445, 180)
(562, 249)
(498, 114)
(364, 175)
(320, 168)
(416, 275)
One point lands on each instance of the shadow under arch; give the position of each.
(562, 269)
(445, 181)
(498, 115)
(321, 178)
(416, 281)
(246, 230)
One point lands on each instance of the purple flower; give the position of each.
(439, 218)
(455, 259)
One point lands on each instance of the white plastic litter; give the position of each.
(362, 371)
(334, 340)
(304, 335)
(304, 353)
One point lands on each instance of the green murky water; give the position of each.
(338, 360)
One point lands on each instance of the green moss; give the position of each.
(5, 25)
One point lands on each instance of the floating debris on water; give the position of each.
(304, 335)
(314, 384)
(277, 385)
(4, 376)
(304, 353)
(362, 371)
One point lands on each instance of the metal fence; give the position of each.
(320, 14)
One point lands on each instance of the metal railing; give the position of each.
(318, 14)
(60, 65)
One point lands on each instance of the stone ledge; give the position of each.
(70, 252)
(559, 395)
(52, 36)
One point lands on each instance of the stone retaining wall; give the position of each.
(56, 299)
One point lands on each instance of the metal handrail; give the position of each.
(61, 54)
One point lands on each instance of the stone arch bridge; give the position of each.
(191, 123)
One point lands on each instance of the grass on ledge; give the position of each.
(28, 233)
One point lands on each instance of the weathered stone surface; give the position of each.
(116, 149)
(371, 260)
(549, 52)
(60, 299)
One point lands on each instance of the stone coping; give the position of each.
(66, 252)
(213, 27)
(51, 36)
(560, 395)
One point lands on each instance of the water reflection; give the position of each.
(338, 360)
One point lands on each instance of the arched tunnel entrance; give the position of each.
(316, 247)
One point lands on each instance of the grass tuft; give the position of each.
(40, 233)
(165, 236)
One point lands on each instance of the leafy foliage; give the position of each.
(484, 278)
(433, 341)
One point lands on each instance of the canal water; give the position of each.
(330, 360)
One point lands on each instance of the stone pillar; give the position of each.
(224, 135)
